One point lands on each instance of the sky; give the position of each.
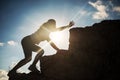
(19, 18)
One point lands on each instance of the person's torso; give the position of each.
(39, 35)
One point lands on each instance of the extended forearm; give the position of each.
(68, 26)
(54, 46)
(64, 27)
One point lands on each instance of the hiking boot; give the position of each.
(11, 73)
(33, 68)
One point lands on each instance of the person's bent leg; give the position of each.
(21, 63)
(37, 58)
(28, 57)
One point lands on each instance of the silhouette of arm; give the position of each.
(65, 27)
(53, 45)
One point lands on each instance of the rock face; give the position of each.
(94, 54)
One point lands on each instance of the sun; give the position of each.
(57, 37)
(60, 39)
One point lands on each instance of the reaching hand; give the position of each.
(71, 23)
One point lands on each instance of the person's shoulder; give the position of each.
(45, 24)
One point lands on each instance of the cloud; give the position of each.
(117, 9)
(3, 75)
(113, 8)
(12, 43)
(101, 10)
(1, 44)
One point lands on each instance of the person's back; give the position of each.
(40, 35)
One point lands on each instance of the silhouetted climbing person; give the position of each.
(29, 44)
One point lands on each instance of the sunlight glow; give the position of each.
(57, 37)
(61, 39)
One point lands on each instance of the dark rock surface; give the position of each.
(94, 54)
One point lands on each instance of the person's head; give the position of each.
(51, 24)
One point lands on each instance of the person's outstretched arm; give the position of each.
(65, 27)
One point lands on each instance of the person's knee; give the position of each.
(41, 52)
(29, 59)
